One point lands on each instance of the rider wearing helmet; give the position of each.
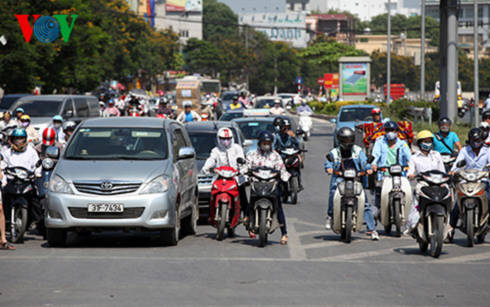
(235, 105)
(19, 154)
(32, 134)
(188, 115)
(277, 123)
(285, 138)
(277, 109)
(18, 113)
(68, 129)
(164, 108)
(446, 141)
(265, 156)
(348, 156)
(376, 113)
(57, 125)
(48, 139)
(226, 154)
(111, 110)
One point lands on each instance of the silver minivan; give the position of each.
(124, 173)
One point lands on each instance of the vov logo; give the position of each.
(46, 28)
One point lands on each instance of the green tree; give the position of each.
(403, 70)
(201, 56)
(218, 21)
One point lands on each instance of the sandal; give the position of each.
(7, 246)
(284, 240)
(252, 235)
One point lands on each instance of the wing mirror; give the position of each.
(247, 143)
(461, 163)
(186, 153)
(329, 157)
(69, 113)
(333, 120)
(370, 159)
(53, 152)
(240, 160)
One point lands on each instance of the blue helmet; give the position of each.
(19, 132)
(19, 110)
(265, 136)
(391, 126)
(58, 118)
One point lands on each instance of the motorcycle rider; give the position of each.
(32, 134)
(476, 156)
(446, 141)
(235, 105)
(57, 125)
(389, 150)
(353, 157)
(277, 109)
(226, 154)
(164, 108)
(265, 155)
(68, 128)
(111, 110)
(188, 115)
(18, 113)
(48, 139)
(7, 121)
(285, 138)
(424, 160)
(304, 107)
(243, 100)
(19, 154)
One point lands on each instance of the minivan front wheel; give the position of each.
(190, 225)
(170, 237)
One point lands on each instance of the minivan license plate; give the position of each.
(105, 207)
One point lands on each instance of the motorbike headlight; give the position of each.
(397, 181)
(48, 163)
(59, 185)
(21, 174)
(157, 185)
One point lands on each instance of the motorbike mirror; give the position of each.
(370, 159)
(461, 163)
(329, 157)
(299, 132)
(240, 160)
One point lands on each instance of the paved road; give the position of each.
(314, 269)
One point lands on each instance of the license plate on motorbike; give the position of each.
(105, 207)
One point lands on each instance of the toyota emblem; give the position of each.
(106, 186)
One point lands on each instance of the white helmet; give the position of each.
(187, 103)
(225, 138)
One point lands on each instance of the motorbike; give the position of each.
(473, 204)
(434, 205)
(396, 199)
(263, 202)
(225, 200)
(290, 189)
(305, 124)
(448, 160)
(463, 107)
(348, 203)
(135, 112)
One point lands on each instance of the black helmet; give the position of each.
(285, 122)
(235, 98)
(486, 115)
(391, 126)
(277, 122)
(265, 136)
(444, 120)
(346, 137)
(475, 138)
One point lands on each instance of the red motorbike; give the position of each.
(135, 112)
(159, 115)
(225, 201)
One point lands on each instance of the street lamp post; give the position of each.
(422, 54)
(475, 63)
(388, 56)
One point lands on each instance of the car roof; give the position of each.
(268, 97)
(361, 106)
(16, 95)
(136, 122)
(56, 97)
(209, 125)
(251, 119)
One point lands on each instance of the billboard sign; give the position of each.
(183, 5)
(354, 79)
(285, 27)
(331, 81)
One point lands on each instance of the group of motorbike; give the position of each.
(435, 193)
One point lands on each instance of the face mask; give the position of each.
(18, 141)
(226, 143)
(56, 126)
(346, 147)
(426, 146)
(277, 128)
(444, 129)
(265, 147)
(476, 144)
(390, 136)
(25, 124)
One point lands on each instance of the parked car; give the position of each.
(352, 115)
(8, 100)
(42, 108)
(203, 138)
(124, 173)
(287, 98)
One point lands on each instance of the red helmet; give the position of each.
(49, 136)
(375, 111)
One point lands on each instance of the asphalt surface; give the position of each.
(117, 269)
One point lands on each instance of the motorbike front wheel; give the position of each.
(436, 240)
(348, 225)
(294, 190)
(18, 224)
(222, 222)
(397, 217)
(469, 214)
(263, 228)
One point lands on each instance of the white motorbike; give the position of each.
(305, 124)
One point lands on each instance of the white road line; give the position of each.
(326, 244)
(296, 251)
(467, 258)
(353, 256)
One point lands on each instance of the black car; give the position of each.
(203, 138)
(8, 100)
(225, 100)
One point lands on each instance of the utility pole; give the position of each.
(388, 56)
(246, 50)
(452, 59)
(422, 54)
(475, 64)
(275, 74)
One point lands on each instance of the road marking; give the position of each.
(296, 251)
(325, 244)
(313, 232)
(467, 258)
(308, 223)
(366, 254)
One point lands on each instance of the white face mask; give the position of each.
(56, 126)
(25, 124)
(226, 143)
(390, 136)
(266, 148)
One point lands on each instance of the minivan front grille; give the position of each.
(107, 187)
(204, 179)
(128, 213)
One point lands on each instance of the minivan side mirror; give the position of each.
(247, 143)
(69, 113)
(53, 152)
(186, 153)
(333, 120)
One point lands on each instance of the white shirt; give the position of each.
(277, 111)
(420, 163)
(224, 157)
(27, 159)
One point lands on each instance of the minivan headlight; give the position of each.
(157, 185)
(59, 185)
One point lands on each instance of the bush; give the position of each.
(400, 109)
(334, 107)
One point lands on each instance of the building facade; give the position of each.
(400, 45)
(341, 27)
(184, 17)
(240, 7)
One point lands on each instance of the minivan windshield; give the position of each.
(118, 144)
(356, 114)
(40, 107)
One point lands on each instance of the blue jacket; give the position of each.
(380, 152)
(290, 142)
(358, 156)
